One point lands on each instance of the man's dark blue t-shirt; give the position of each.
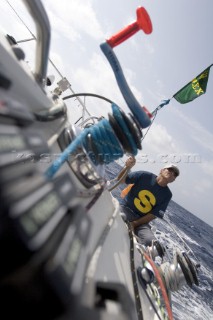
(146, 195)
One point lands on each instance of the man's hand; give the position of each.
(130, 162)
(132, 226)
(143, 220)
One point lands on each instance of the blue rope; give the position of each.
(55, 166)
(119, 118)
(104, 139)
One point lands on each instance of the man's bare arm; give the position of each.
(130, 162)
(121, 173)
(143, 220)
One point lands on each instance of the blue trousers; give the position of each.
(144, 232)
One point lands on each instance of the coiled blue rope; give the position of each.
(107, 145)
(125, 129)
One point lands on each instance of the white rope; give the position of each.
(186, 245)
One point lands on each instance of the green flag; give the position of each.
(193, 89)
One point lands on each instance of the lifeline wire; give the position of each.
(149, 126)
(188, 248)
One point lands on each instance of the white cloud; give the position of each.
(148, 46)
(146, 43)
(130, 78)
(207, 167)
(17, 29)
(203, 186)
(157, 95)
(98, 78)
(58, 61)
(198, 133)
(159, 141)
(70, 18)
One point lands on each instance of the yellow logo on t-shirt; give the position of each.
(145, 201)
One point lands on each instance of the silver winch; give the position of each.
(180, 272)
(156, 250)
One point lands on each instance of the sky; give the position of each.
(156, 66)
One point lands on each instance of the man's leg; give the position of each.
(145, 234)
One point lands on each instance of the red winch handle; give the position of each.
(143, 22)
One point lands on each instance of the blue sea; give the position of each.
(195, 303)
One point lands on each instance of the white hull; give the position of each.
(85, 268)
